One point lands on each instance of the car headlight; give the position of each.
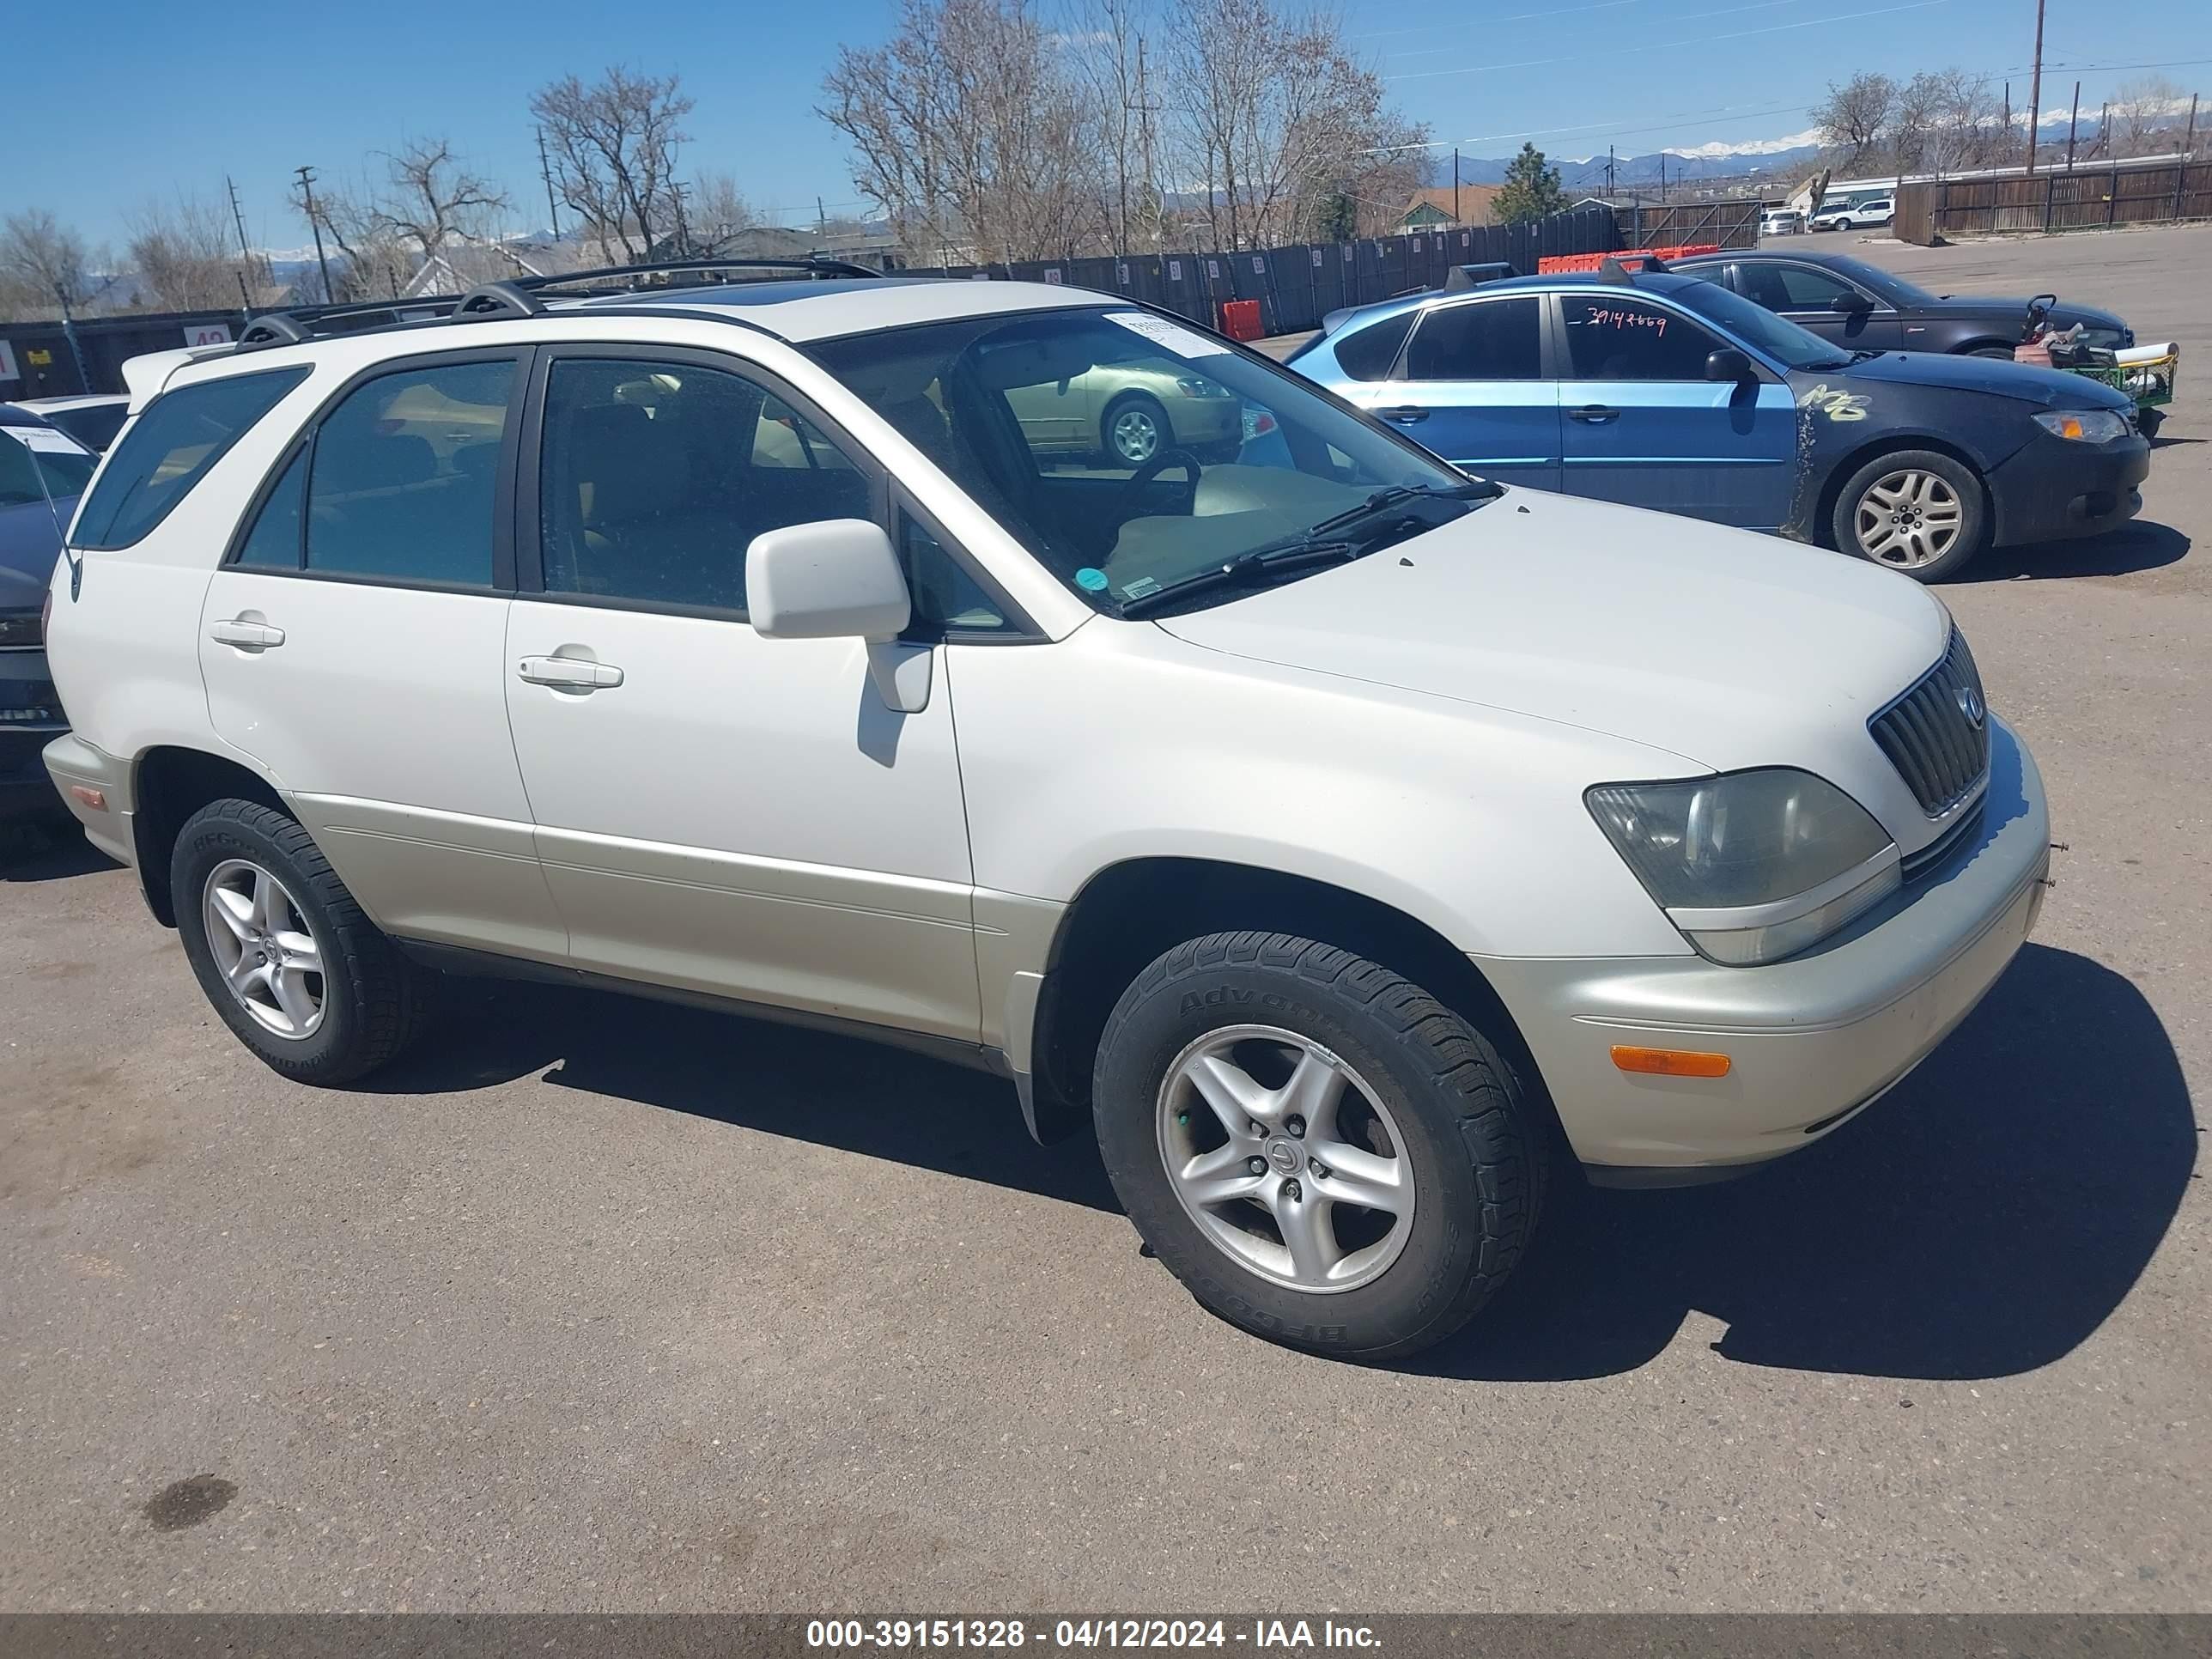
(1196, 388)
(2085, 426)
(1752, 867)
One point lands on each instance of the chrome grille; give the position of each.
(1931, 735)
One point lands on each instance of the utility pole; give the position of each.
(1144, 140)
(1455, 183)
(545, 172)
(2104, 128)
(2005, 127)
(238, 219)
(1608, 169)
(2188, 143)
(68, 332)
(1662, 175)
(307, 196)
(2072, 122)
(2035, 88)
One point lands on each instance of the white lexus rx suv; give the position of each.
(1354, 845)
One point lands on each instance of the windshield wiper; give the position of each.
(1382, 500)
(1261, 562)
(1345, 535)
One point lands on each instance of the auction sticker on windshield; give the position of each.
(1184, 342)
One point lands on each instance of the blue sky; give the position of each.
(155, 99)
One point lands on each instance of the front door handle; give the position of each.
(246, 636)
(1405, 414)
(568, 674)
(1594, 414)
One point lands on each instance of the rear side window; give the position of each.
(1366, 354)
(404, 476)
(1486, 340)
(169, 449)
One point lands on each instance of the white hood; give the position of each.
(1727, 648)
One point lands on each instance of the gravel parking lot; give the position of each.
(603, 1305)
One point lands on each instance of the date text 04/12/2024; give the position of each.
(1262, 1635)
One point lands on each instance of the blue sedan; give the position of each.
(1665, 390)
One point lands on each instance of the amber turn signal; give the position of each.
(95, 799)
(1669, 1063)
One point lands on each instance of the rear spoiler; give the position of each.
(143, 377)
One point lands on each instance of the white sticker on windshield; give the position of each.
(1187, 343)
(45, 437)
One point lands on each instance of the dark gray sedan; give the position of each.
(1858, 305)
(42, 472)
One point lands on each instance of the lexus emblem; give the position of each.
(1970, 705)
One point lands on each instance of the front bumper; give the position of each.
(1810, 1040)
(2053, 489)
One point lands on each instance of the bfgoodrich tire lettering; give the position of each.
(1476, 1160)
(371, 999)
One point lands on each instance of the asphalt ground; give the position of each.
(603, 1304)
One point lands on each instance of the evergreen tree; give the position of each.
(1532, 189)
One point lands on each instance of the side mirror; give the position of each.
(1851, 303)
(1729, 365)
(839, 580)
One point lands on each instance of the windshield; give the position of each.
(1128, 453)
(1777, 336)
(1874, 278)
(40, 465)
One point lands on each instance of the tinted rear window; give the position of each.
(181, 435)
(1366, 354)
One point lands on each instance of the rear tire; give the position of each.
(299, 975)
(1914, 511)
(2002, 353)
(1360, 1082)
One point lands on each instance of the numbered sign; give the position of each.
(1175, 270)
(207, 334)
(1052, 275)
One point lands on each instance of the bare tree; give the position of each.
(368, 258)
(968, 133)
(1946, 119)
(1855, 117)
(1104, 43)
(43, 263)
(186, 259)
(613, 148)
(715, 214)
(1276, 119)
(432, 201)
(2141, 108)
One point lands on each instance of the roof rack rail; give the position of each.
(812, 265)
(488, 299)
(298, 323)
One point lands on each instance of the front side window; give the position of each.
(1802, 288)
(1232, 456)
(1611, 337)
(402, 476)
(170, 449)
(1484, 340)
(655, 478)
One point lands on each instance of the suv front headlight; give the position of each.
(2085, 426)
(1752, 867)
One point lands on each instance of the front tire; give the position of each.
(1916, 511)
(1323, 1153)
(299, 975)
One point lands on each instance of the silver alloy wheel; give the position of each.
(1909, 518)
(1249, 1156)
(264, 948)
(1136, 434)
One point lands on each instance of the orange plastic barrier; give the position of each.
(1553, 264)
(1240, 320)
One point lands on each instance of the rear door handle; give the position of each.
(568, 674)
(1405, 414)
(246, 636)
(1594, 414)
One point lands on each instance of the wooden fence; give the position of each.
(1687, 224)
(2036, 204)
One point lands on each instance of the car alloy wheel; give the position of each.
(268, 957)
(1908, 519)
(1136, 434)
(1286, 1158)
